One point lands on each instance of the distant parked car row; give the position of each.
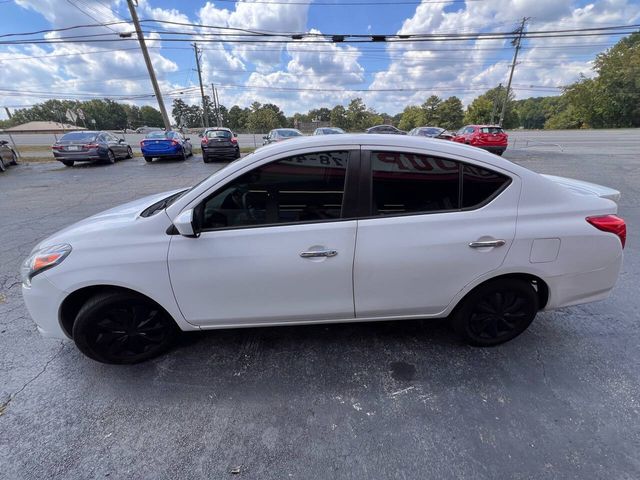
(7, 156)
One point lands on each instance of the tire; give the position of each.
(148, 159)
(14, 160)
(129, 153)
(499, 153)
(3, 168)
(237, 153)
(68, 163)
(111, 158)
(496, 312)
(207, 159)
(122, 328)
(183, 157)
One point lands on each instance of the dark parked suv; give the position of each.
(219, 143)
(89, 146)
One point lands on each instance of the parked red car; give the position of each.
(489, 137)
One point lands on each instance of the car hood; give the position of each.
(113, 218)
(585, 188)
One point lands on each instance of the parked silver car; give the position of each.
(280, 134)
(328, 131)
(7, 156)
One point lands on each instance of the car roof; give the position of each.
(209, 129)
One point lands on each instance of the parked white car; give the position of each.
(333, 228)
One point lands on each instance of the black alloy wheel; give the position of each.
(129, 152)
(14, 159)
(2, 166)
(122, 328)
(496, 312)
(111, 158)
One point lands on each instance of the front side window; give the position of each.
(405, 183)
(303, 188)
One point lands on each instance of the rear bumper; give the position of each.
(89, 156)
(574, 289)
(221, 152)
(166, 153)
(492, 148)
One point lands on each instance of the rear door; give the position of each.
(424, 237)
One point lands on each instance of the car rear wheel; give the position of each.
(496, 312)
(2, 166)
(237, 153)
(68, 163)
(206, 159)
(122, 328)
(111, 158)
(14, 159)
(129, 152)
(148, 159)
(183, 157)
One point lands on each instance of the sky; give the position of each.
(299, 76)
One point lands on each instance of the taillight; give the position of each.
(91, 145)
(175, 142)
(142, 143)
(234, 140)
(611, 224)
(204, 141)
(56, 147)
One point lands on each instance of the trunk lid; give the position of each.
(585, 188)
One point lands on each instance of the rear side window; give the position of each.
(78, 137)
(480, 185)
(409, 183)
(304, 188)
(405, 183)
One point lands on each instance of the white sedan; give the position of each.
(335, 228)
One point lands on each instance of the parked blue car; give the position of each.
(165, 144)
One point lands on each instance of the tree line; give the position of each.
(611, 99)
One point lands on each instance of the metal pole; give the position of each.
(215, 90)
(215, 104)
(516, 42)
(147, 61)
(205, 111)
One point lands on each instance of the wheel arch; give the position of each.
(72, 304)
(540, 286)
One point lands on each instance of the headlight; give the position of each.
(43, 259)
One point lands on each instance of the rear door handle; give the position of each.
(487, 243)
(319, 253)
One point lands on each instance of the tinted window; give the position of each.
(406, 183)
(479, 185)
(296, 189)
(493, 130)
(218, 134)
(78, 137)
(289, 133)
(159, 134)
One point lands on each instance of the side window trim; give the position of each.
(350, 197)
(366, 189)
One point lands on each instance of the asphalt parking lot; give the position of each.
(401, 400)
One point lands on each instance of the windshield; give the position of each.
(289, 133)
(78, 137)
(159, 134)
(218, 134)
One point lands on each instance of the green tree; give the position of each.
(237, 118)
(185, 115)
(262, 120)
(486, 108)
(356, 115)
(151, 117)
(450, 113)
(430, 109)
(412, 116)
(338, 117)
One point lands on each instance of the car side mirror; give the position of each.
(265, 138)
(184, 224)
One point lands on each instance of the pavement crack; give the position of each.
(5, 404)
(542, 366)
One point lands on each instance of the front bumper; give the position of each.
(43, 300)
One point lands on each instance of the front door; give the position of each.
(419, 247)
(274, 247)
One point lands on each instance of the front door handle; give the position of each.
(487, 243)
(319, 253)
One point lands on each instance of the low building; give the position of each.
(43, 127)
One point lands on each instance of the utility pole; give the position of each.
(147, 60)
(515, 42)
(216, 102)
(495, 105)
(205, 110)
(6, 109)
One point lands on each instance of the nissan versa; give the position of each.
(333, 228)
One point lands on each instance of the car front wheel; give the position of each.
(496, 312)
(129, 152)
(122, 328)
